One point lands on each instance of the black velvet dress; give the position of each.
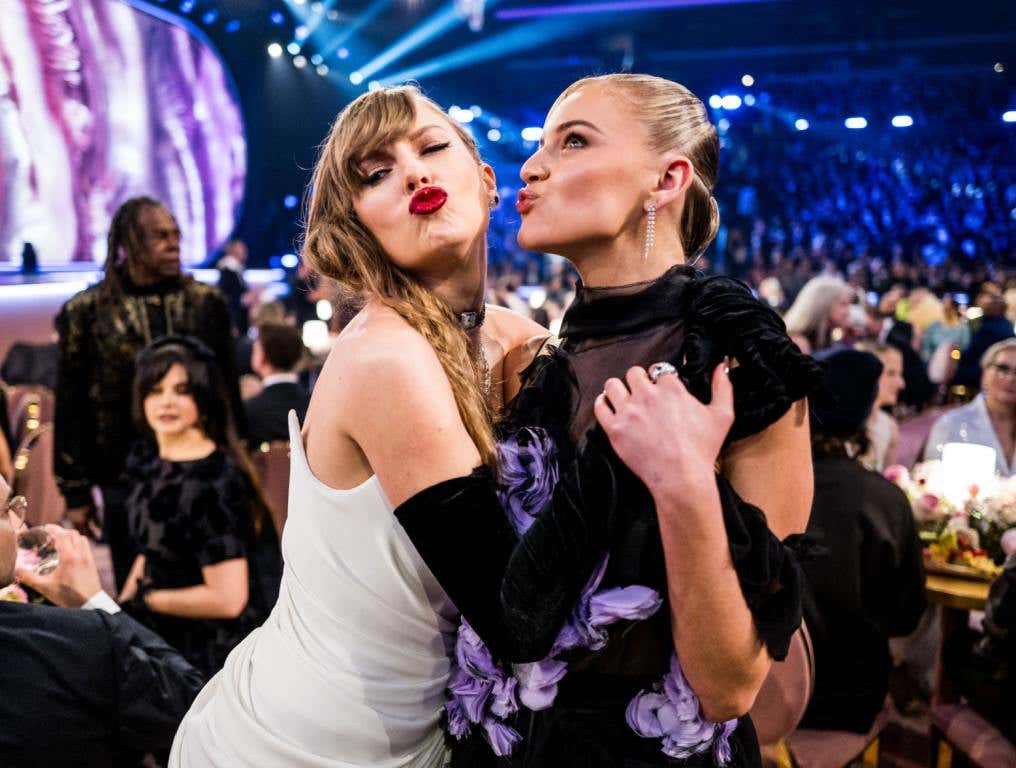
(599, 507)
(185, 515)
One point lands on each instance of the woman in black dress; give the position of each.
(208, 563)
(622, 187)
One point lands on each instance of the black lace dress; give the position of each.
(185, 515)
(599, 507)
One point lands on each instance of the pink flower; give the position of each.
(14, 594)
(1009, 541)
(897, 473)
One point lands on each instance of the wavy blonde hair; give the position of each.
(339, 246)
(676, 120)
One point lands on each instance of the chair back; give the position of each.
(913, 436)
(271, 461)
(784, 696)
(34, 477)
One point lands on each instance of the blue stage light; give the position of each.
(322, 69)
(533, 133)
(343, 53)
(316, 59)
(747, 81)
(210, 17)
(300, 61)
(275, 50)
(902, 121)
(493, 135)
(731, 101)
(337, 42)
(301, 32)
(278, 18)
(233, 26)
(749, 100)
(293, 48)
(716, 101)
(436, 25)
(517, 38)
(356, 78)
(801, 124)
(187, 6)
(290, 261)
(1009, 117)
(855, 123)
(290, 201)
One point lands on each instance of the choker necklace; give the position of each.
(470, 320)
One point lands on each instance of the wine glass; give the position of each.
(35, 545)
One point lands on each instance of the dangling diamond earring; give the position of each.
(650, 231)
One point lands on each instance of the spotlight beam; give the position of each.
(371, 13)
(520, 38)
(432, 28)
(616, 6)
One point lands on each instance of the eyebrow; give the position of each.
(571, 124)
(379, 154)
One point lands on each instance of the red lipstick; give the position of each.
(526, 200)
(427, 200)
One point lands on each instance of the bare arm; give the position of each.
(222, 596)
(721, 653)
(130, 585)
(773, 471)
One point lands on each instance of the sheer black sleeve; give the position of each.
(516, 590)
(767, 569)
(769, 373)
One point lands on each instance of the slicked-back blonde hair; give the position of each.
(339, 246)
(676, 120)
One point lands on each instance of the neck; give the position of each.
(463, 287)
(620, 261)
(999, 412)
(138, 275)
(188, 445)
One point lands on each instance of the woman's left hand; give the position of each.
(662, 432)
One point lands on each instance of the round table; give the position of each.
(957, 593)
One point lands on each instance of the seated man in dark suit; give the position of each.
(277, 352)
(81, 687)
(868, 583)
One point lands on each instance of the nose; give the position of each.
(534, 169)
(418, 175)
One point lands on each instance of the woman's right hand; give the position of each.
(662, 432)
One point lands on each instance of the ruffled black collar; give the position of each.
(623, 309)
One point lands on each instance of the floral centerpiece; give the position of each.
(974, 527)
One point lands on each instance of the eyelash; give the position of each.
(378, 176)
(571, 136)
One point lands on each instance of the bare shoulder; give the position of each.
(379, 351)
(512, 329)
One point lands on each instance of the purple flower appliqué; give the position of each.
(481, 694)
(672, 711)
(528, 469)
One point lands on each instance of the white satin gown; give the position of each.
(350, 667)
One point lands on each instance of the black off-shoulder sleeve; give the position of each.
(770, 373)
(768, 569)
(517, 590)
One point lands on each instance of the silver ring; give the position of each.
(656, 370)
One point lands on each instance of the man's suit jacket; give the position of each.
(86, 688)
(267, 413)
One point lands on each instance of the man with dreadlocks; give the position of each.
(142, 296)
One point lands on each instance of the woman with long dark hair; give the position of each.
(207, 567)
